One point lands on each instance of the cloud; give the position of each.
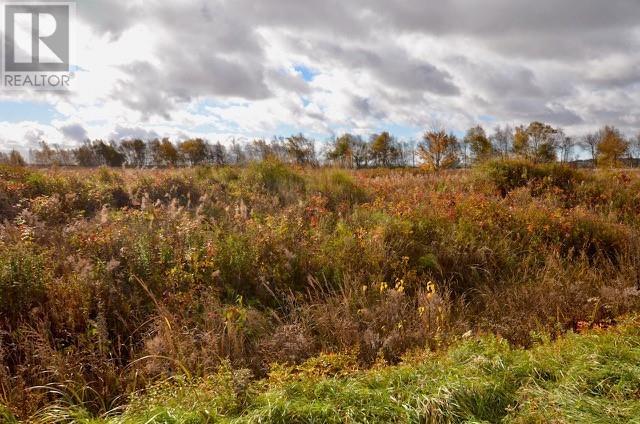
(122, 133)
(156, 68)
(75, 132)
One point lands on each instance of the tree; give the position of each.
(565, 145)
(360, 152)
(85, 155)
(135, 152)
(13, 158)
(612, 147)
(301, 149)
(108, 154)
(634, 149)
(194, 151)
(542, 141)
(341, 151)
(383, 149)
(44, 156)
(477, 140)
(218, 154)
(237, 154)
(521, 142)
(590, 142)
(503, 140)
(259, 150)
(438, 149)
(163, 152)
(167, 152)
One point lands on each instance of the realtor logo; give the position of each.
(37, 45)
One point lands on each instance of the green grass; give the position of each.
(588, 378)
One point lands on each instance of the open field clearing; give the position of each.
(272, 293)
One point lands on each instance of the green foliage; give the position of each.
(275, 177)
(588, 378)
(6, 416)
(339, 189)
(23, 279)
(511, 174)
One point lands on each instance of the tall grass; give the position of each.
(113, 281)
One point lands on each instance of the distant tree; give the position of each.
(438, 150)
(218, 154)
(502, 139)
(135, 152)
(44, 155)
(360, 152)
(546, 153)
(167, 153)
(406, 153)
(590, 142)
(86, 156)
(301, 150)
(383, 149)
(479, 144)
(341, 151)
(542, 141)
(194, 151)
(260, 150)
(521, 145)
(64, 157)
(237, 155)
(565, 145)
(612, 147)
(14, 158)
(108, 153)
(634, 149)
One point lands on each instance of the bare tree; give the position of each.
(590, 142)
(565, 145)
(502, 139)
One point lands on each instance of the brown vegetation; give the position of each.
(111, 280)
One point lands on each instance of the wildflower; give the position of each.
(383, 286)
(431, 290)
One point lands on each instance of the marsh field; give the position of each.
(274, 293)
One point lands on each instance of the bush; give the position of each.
(339, 189)
(23, 279)
(276, 178)
(511, 174)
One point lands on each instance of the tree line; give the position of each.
(437, 149)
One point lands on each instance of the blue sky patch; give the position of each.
(19, 111)
(307, 74)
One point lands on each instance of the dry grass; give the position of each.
(113, 280)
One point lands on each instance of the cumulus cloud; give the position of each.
(233, 67)
(74, 132)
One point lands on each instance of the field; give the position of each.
(272, 293)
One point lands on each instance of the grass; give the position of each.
(588, 378)
(234, 288)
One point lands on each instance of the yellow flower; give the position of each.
(383, 286)
(431, 290)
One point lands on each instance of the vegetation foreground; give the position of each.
(590, 378)
(270, 293)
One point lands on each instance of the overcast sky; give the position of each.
(218, 69)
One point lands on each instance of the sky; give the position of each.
(239, 68)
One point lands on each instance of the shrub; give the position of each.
(511, 174)
(339, 189)
(276, 178)
(23, 279)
